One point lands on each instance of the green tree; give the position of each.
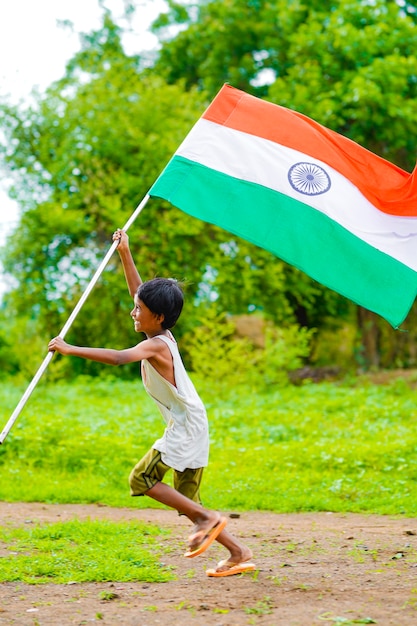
(82, 157)
(210, 43)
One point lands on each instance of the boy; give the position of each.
(184, 444)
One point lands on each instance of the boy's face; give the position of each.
(145, 320)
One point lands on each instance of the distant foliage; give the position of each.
(286, 350)
(213, 352)
(218, 354)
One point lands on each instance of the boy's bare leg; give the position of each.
(239, 553)
(203, 521)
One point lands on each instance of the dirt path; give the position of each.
(314, 569)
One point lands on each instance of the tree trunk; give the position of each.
(369, 337)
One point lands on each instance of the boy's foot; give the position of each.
(229, 568)
(208, 534)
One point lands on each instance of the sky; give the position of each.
(34, 50)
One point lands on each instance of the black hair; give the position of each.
(162, 296)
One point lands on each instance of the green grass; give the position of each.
(334, 446)
(79, 552)
(345, 446)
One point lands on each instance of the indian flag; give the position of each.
(312, 197)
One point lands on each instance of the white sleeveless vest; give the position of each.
(185, 442)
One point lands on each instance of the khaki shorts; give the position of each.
(151, 470)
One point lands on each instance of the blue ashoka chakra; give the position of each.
(309, 179)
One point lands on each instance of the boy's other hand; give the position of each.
(57, 344)
(120, 236)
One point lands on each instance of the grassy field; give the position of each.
(82, 551)
(346, 446)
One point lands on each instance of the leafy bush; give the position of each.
(285, 350)
(215, 353)
(218, 353)
(21, 347)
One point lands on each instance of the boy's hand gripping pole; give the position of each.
(68, 324)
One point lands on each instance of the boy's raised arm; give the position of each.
(132, 275)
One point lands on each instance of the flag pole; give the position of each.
(68, 324)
